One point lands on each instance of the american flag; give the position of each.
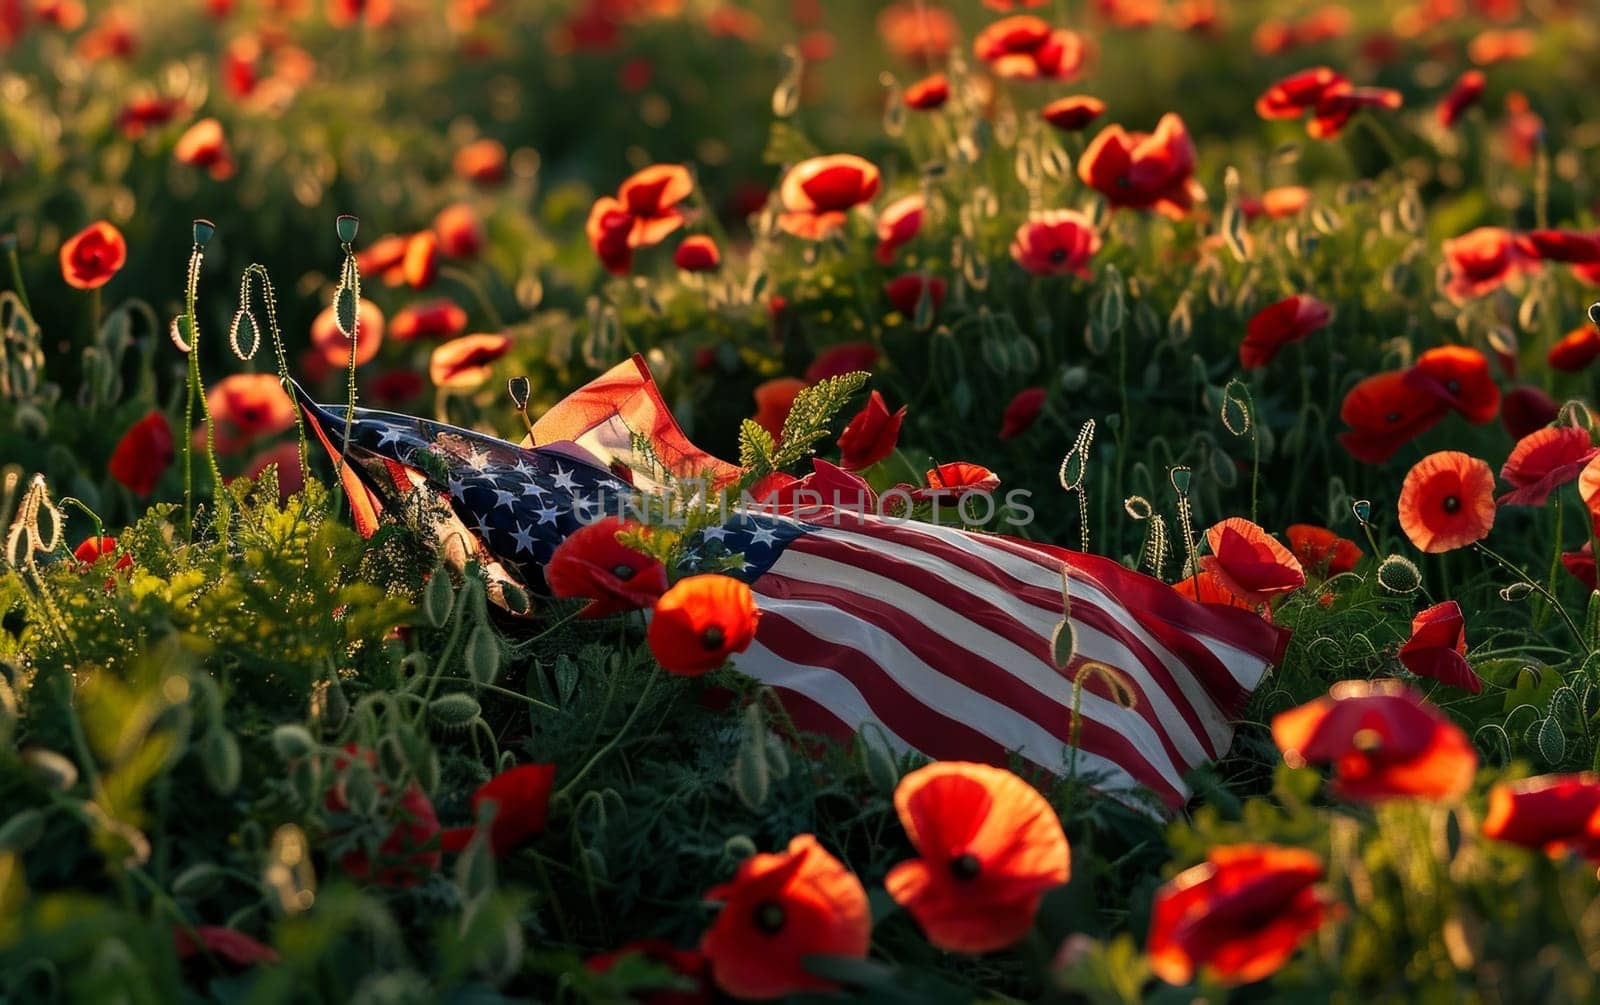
(939, 636)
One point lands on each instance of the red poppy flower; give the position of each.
(228, 945)
(482, 162)
(1249, 562)
(420, 267)
(847, 357)
(828, 485)
(1576, 350)
(651, 197)
(990, 847)
(929, 93)
(1581, 566)
(1007, 6)
(460, 231)
(1495, 45)
(1589, 487)
(396, 387)
(409, 850)
(780, 909)
(143, 454)
(1437, 647)
(1055, 243)
(1022, 412)
(1337, 107)
(92, 549)
(384, 258)
(1384, 414)
(1458, 376)
(1482, 260)
(870, 436)
(1299, 93)
(285, 457)
(702, 621)
(92, 256)
(246, 407)
(145, 112)
(1024, 47)
(1543, 461)
(1074, 112)
(947, 483)
(114, 36)
(1320, 548)
(1522, 131)
(464, 363)
(1273, 327)
(521, 797)
(204, 146)
(898, 224)
(1238, 916)
(1555, 814)
(697, 253)
(1467, 91)
(373, 13)
(334, 346)
(1285, 200)
(685, 965)
(1447, 501)
(818, 194)
(917, 32)
(441, 318)
(1208, 589)
(1566, 246)
(591, 563)
(905, 292)
(609, 228)
(774, 398)
(1144, 170)
(1383, 741)
(1526, 409)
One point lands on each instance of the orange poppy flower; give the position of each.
(774, 398)
(1466, 92)
(591, 563)
(1384, 415)
(1285, 200)
(702, 621)
(1055, 243)
(929, 93)
(1458, 376)
(228, 945)
(1522, 132)
(818, 194)
(1543, 461)
(1208, 589)
(1144, 170)
(1022, 412)
(1589, 487)
(609, 229)
(870, 436)
(93, 255)
(1322, 549)
(1383, 741)
(442, 318)
(204, 146)
(1525, 409)
(1555, 814)
(651, 197)
(918, 32)
(779, 909)
(143, 454)
(334, 346)
(1007, 6)
(1024, 47)
(847, 357)
(460, 231)
(1447, 501)
(990, 847)
(420, 267)
(1074, 112)
(384, 258)
(373, 13)
(1249, 562)
(1238, 916)
(1576, 350)
(897, 225)
(247, 407)
(1496, 45)
(1482, 260)
(1437, 647)
(948, 482)
(464, 363)
(1277, 325)
(697, 253)
(482, 162)
(521, 797)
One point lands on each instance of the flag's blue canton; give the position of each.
(757, 538)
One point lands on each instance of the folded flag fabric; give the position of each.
(939, 636)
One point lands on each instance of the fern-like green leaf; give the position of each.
(756, 449)
(812, 412)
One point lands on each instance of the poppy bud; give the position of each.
(292, 742)
(1398, 574)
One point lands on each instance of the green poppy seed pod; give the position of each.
(516, 598)
(738, 848)
(204, 231)
(198, 881)
(752, 775)
(482, 655)
(292, 742)
(347, 226)
(220, 759)
(22, 831)
(519, 388)
(877, 758)
(454, 711)
(438, 597)
(1398, 574)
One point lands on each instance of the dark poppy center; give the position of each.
(713, 638)
(965, 866)
(1452, 504)
(1391, 417)
(1453, 386)
(1058, 255)
(768, 917)
(622, 571)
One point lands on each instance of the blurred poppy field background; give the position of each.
(1284, 304)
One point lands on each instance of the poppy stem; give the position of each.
(650, 682)
(16, 279)
(1549, 598)
(465, 278)
(96, 308)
